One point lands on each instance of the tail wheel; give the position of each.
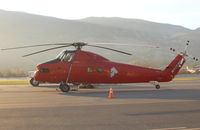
(157, 86)
(34, 83)
(64, 87)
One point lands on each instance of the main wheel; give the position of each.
(34, 83)
(157, 86)
(64, 87)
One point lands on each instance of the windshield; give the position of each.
(65, 56)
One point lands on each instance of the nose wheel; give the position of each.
(34, 83)
(64, 87)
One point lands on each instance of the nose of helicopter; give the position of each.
(42, 72)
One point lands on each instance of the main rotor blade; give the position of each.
(110, 49)
(46, 50)
(50, 44)
(126, 44)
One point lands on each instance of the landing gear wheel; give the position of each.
(34, 83)
(64, 87)
(157, 86)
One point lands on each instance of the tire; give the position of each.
(157, 86)
(64, 87)
(34, 83)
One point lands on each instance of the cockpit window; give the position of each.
(66, 56)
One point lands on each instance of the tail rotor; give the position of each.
(185, 53)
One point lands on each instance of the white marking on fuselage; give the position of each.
(113, 72)
(178, 65)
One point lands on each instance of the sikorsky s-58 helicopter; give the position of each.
(83, 67)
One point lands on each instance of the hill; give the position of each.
(17, 29)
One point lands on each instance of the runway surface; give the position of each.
(176, 106)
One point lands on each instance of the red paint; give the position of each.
(126, 73)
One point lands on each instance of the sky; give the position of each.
(178, 12)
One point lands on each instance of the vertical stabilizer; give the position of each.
(174, 67)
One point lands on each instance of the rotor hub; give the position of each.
(79, 45)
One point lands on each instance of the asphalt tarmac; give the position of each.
(176, 106)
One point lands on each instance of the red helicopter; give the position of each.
(83, 67)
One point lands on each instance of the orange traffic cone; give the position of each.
(111, 94)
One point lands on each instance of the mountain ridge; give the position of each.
(19, 29)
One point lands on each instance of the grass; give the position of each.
(14, 82)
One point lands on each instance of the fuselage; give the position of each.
(87, 67)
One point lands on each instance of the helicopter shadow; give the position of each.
(170, 94)
(134, 92)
